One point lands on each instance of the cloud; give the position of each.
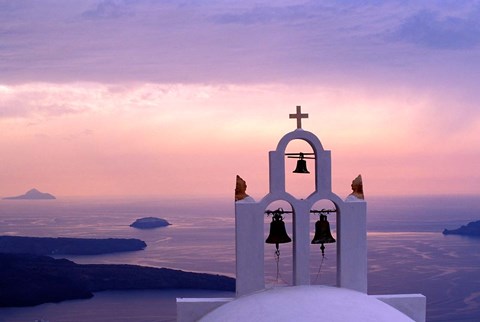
(108, 9)
(289, 14)
(39, 100)
(11, 109)
(34, 100)
(432, 30)
(214, 42)
(118, 41)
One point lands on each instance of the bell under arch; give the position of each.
(321, 163)
(323, 264)
(278, 262)
(299, 169)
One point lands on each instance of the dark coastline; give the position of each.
(68, 246)
(471, 229)
(28, 280)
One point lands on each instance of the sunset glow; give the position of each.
(193, 101)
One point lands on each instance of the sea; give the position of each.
(407, 252)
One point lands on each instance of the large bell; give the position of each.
(322, 233)
(278, 233)
(301, 167)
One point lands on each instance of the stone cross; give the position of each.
(299, 116)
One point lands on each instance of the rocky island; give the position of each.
(149, 223)
(471, 229)
(27, 280)
(32, 194)
(68, 246)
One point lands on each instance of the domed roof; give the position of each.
(306, 303)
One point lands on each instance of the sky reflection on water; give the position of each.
(407, 252)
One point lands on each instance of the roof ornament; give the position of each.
(357, 190)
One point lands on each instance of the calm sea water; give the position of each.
(407, 252)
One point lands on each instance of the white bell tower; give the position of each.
(351, 223)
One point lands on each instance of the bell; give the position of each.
(278, 233)
(322, 233)
(301, 167)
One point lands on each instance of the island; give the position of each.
(149, 223)
(27, 280)
(32, 194)
(471, 229)
(68, 246)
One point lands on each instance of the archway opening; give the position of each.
(299, 185)
(323, 265)
(278, 265)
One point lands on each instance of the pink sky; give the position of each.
(176, 98)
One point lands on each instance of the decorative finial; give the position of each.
(240, 189)
(357, 187)
(299, 116)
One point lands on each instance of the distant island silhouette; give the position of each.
(28, 280)
(471, 229)
(68, 246)
(32, 194)
(149, 223)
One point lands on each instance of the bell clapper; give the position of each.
(322, 248)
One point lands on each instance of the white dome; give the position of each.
(306, 303)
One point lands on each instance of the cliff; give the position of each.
(68, 246)
(27, 280)
(471, 229)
